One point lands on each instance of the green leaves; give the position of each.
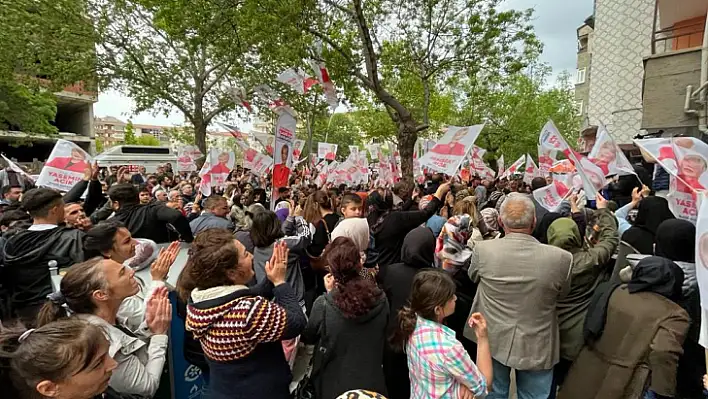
(46, 45)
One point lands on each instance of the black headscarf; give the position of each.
(379, 207)
(540, 232)
(651, 213)
(418, 248)
(676, 240)
(652, 274)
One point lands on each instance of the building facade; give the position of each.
(111, 131)
(636, 60)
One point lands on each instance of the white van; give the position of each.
(134, 156)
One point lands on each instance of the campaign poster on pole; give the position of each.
(298, 145)
(448, 154)
(327, 151)
(515, 168)
(546, 158)
(531, 170)
(65, 166)
(222, 163)
(686, 160)
(284, 138)
(590, 174)
(186, 155)
(500, 166)
(702, 252)
(607, 155)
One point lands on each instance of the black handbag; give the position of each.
(306, 388)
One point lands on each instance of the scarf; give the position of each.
(652, 274)
(451, 251)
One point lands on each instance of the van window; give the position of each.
(144, 150)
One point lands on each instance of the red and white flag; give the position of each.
(500, 166)
(551, 196)
(607, 155)
(591, 175)
(516, 167)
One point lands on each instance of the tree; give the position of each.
(148, 139)
(515, 111)
(340, 128)
(99, 146)
(369, 45)
(46, 45)
(180, 134)
(172, 54)
(129, 134)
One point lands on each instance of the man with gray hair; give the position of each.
(519, 284)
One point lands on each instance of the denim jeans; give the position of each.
(529, 384)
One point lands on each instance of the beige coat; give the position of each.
(639, 349)
(520, 281)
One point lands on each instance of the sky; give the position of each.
(555, 23)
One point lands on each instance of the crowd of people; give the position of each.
(438, 290)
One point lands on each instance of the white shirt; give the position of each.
(42, 227)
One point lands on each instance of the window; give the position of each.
(580, 78)
(579, 107)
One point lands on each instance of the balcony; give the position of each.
(678, 25)
(675, 64)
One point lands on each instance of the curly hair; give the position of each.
(211, 256)
(354, 295)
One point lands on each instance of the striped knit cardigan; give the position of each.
(240, 335)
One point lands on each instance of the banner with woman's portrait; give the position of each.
(65, 166)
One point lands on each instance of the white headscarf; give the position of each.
(356, 229)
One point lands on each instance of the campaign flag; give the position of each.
(222, 163)
(363, 169)
(239, 95)
(686, 160)
(546, 158)
(16, 168)
(296, 79)
(186, 155)
(322, 75)
(205, 182)
(275, 103)
(261, 163)
(448, 154)
(298, 145)
(607, 155)
(65, 167)
(562, 166)
(515, 168)
(702, 252)
(327, 151)
(531, 169)
(500, 166)
(374, 150)
(551, 195)
(591, 175)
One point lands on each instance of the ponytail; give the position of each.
(53, 352)
(431, 288)
(404, 329)
(75, 293)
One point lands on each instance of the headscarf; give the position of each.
(652, 211)
(379, 208)
(418, 248)
(541, 230)
(490, 217)
(451, 251)
(282, 214)
(676, 240)
(564, 233)
(360, 394)
(652, 274)
(357, 229)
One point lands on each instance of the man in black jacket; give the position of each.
(154, 221)
(28, 253)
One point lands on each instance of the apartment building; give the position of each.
(637, 61)
(111, 131)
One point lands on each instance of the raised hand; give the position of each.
(158, 312)
(161, 266)
(276, 268)
(479, 323)
(600, 201)
(329, 282)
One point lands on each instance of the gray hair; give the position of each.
(517, 212)
(245, 222)
(174, 192)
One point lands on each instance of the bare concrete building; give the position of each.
(676, 70)
(643, 66)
